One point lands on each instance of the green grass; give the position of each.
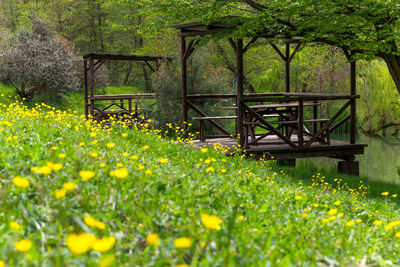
(169, 199)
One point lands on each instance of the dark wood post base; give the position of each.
(287, 162)
(349, 167)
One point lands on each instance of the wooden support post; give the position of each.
(353, 83)
(91, 70)
(300, 123)
(239, 91)
(85, 84)
(287, 67)
(184, 85)
(315, 116)
(349, 167)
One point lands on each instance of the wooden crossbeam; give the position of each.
(201, 113)
(326, 126)
(278, 51)
(270, 127)
(249, 43)
(340, 123)
(294, 52)
(233, 45)
(148, 64)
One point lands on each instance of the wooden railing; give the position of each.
(128, 107)
(281, 114)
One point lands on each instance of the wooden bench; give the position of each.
(203, 119)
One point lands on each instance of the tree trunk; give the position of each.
(393, 64)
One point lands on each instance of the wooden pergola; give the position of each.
(127, 108)
(277, 115)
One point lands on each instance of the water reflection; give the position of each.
(379, 163)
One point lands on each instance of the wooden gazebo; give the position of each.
(122, 106)
(266, 122)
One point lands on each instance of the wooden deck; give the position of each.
(273, 146)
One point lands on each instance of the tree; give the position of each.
(367, 28)
(35, 61)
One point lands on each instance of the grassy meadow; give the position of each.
(76, 194)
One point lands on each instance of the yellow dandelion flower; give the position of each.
(297, 197)
(145, 147)
(21, 182)
(15, 226)
(45, 170)
(23, 245)
(62, 155)
(325, 220)
(54, 148)
(57, 167)
(93, 134)
(211, 221)
(121, 173)
(397, 234)
(337, 203)
(86, 175)
(241, 218)
(81, 144)
(102, 165)
(60, 193)
(94, 154)
(204, 150)
(332, 211)
(394, 195)
(385, 193)
(358, 220)
(119, 165)
(140, 167)
(68, 186)
(350, 223)
(182, 265)
(110, 145)
(390, 225)
(377, 222)
(134, 157)
(163, 160)
(203, 244)
(182, 242)
(2, 263)
(148, 172)
(316, 205)
(124, 135)
(304, 215)
(104, 244)
(153, 239)
(210, 169)
(79, 244)
(126, 154)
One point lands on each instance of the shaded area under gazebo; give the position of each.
(280, 125)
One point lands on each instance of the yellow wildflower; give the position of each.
(304, 215)
(15, 226)
(223, 170)
(110, 145)
(211, 221)
(45, 170)
(204, 150)
(93, 134)
(163, 160)
(297, 197)
(60, 193)
(86, 175)
(241, 218)
(182, 242)
(153, 239)
(210, 169)
(377, 222)
(23, 245)
(148, 172)
(332, 211)
(54, 148)
(350, 223)
(2, 263)
(62, 155)
(94, 154)
(145, 147)
(21, 182)
(124, 135)
(57, 167)
(397, 234)
(104, 244)
(325, 220)
(121, 173)
(390, 225)
(358, 220)
(385, 193)
(68, 186)
(79, 244)
(102, 165)
(337, 203)
(126, 154)
(134, 157)
(394, 195)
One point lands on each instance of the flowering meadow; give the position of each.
(77, 194)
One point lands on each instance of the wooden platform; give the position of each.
(273, 146)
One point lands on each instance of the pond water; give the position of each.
(379, 163)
